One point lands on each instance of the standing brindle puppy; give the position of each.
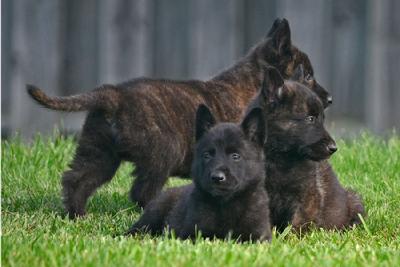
(228, 196)
(150, 122)
(302, 186)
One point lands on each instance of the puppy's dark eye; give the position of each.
(309, 77)
(310, 119)
(207, 156)
(235, 156)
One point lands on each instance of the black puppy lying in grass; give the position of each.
(228, 197)
(302, 186)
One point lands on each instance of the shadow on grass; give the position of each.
(111, 203)
(100, 203)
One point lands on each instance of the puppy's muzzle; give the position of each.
(218, 177)
(332, 148)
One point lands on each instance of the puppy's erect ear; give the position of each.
(280, 36)
(273, 88)
(253, 126)
(298, 74)
(274, 26)
(204, 121)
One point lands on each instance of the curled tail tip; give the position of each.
(34, 91)
(38, 95)
(30, 88)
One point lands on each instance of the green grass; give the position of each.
(34, 233)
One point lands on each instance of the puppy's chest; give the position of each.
(290, 181)
(218, 217)
(288, 189)
(236, 217)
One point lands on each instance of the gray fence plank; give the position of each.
(81, 46)
(80, 69)
(216, 39)
(393, 56)
(383, 65)
(36, 51)
(170, 39)
(259, 16)
(7, 64)
(347, 59)
(125, 39)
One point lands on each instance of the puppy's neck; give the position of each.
(287, 160)
(289, 169)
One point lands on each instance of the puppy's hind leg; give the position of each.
(94, 164)
(147, 184)
(154, 163)
(83, 179)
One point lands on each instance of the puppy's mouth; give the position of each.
(316, 152)
(222, 190)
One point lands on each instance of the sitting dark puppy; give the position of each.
(228, 196)
(302, 186)
(149, 122)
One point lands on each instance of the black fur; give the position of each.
(228, 195)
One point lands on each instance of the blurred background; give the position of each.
(70, 46)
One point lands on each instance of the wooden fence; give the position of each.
(70, 46)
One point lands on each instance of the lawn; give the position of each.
(35, 233)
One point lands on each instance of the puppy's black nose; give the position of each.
(330, 99)
(218, 177)
(332, 148)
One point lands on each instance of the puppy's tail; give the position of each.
(105, 97)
